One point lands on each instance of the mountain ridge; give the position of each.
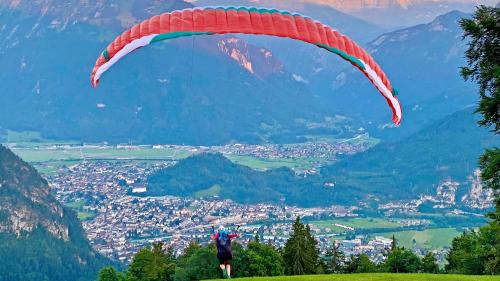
(426, 75)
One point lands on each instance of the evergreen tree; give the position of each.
(313, 250)
(300, 254)
(360, 264)
(334, 260)
(257, 260)
(401, 260)
(479, 252)
(151, 265)
(108, 274)
(394, 243)
(429, 263)
(200, 264)
(191, 249)
(483, 57)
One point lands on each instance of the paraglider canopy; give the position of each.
(259, 21)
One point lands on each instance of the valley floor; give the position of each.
(378, 277)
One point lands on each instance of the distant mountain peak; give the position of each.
(444, 23)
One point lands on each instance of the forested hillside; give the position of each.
(39, 238)
(447, 149)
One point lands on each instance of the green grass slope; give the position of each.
(378, 277)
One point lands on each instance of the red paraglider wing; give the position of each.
(223, 20)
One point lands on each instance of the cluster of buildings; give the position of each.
(119, 220)
(449, 194)
(376, 248)
(122, 222)
(327, 151)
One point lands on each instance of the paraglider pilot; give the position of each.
(223, 240)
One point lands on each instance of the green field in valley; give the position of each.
(433, 238)
(428, 239)
(265, 164)
(51, 154)
(377, 277)
(48, 155)
(76, 205)
(356, 223)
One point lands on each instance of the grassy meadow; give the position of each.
(377, 277)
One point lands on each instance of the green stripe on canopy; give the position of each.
(255, 10)
(344, 55)
(173, 35)
(106, 55)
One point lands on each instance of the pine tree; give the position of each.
(394, 243)
(108, 274)
(479, 252)
(313, 251)
(402, 260)
(334, 260)
(483, 57)
(151, 265)
(300, 253)
(429, 263)
(360, 264)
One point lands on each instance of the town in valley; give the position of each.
(108, 194)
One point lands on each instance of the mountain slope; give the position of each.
(449, 148)
(423, 63)
(39, 238)
(391, 171)
(205, 90)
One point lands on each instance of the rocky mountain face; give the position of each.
(26, 201)
(39, 238)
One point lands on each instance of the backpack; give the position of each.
(223, 238)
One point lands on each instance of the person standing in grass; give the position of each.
(224, 252)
